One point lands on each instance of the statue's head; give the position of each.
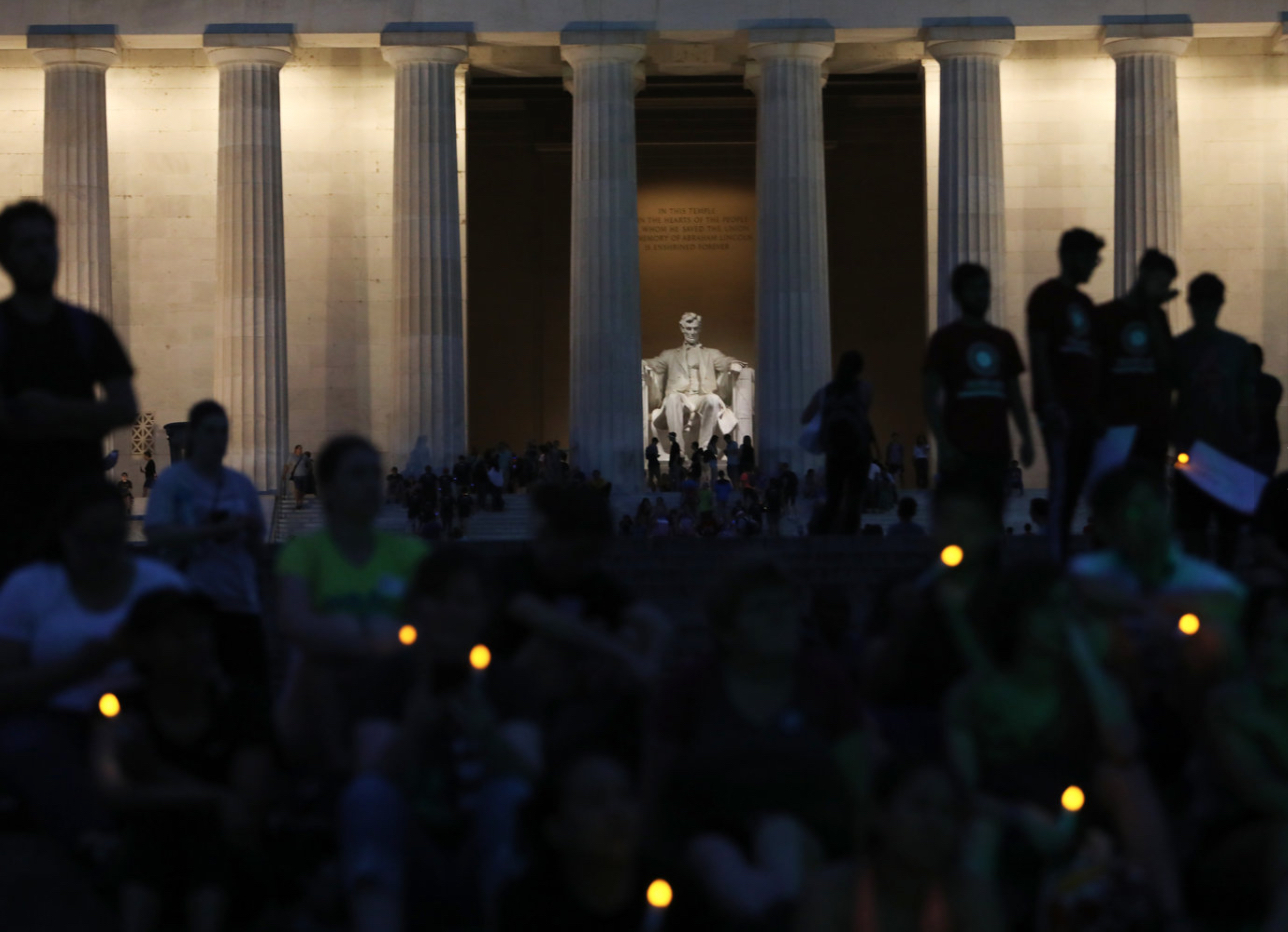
(691, 327)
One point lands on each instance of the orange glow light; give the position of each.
(109, 705)
(659, 894)
(1183, 459)
(951, 556)
(407, 635)
(480, 657)
(1189, 624)
(1073, 799)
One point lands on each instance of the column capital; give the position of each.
(753, 72)
(815, 51)
(629, 53)
(92, 45)
(258, 44)
(949, 49)
(1147, 37)
(398, 55)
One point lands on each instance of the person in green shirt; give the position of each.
(340, 595)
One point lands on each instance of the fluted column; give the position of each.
(1147, 151)
(427, 252)
(972, 203)
(793, 314)
(605, 344)
(75, 172)
(250, 323)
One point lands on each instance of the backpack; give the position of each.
(845, 428)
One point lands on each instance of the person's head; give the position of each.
(1079, 254)
(573, 525)
(1206, 296)
(1035, 605)
(588, 811)
(920, 811)
(755, 613)
(907, 508)
(349, 479)
(207, 433)
(299, 450)
(848, 368)
(1258, 356)
(125, 476)
(653, 441)
(29, 247)
(972, 289)
(1039, 511)
(720, 476)
(1130, 512)
(88, 530)
(746, 440)
(691, 327)
(449, 602)
(1154, 278)
(1266, 628)
(968, 514)
(169, 636)
(147, 454)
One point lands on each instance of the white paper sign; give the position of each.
(1225, 479)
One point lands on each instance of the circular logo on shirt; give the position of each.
(1136, 338)
(1078, 323)
(984, 360)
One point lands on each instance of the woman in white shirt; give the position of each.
(58, 654)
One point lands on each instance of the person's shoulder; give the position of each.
(1196, 573)
(155, 574)
(1094, 564)
(43, 576)
(403, 545)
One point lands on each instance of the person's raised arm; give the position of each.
(23, 686)
(1110, 705)
(1015, 399)
(1236, 753)
(333, 635)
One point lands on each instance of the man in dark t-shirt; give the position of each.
(52, 358)
(1269, 392)
(1135, 345)
(971, 383)
(1062, 351)
(1216, 403)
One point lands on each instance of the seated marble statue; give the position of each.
(697, 391)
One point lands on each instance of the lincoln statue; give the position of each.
(690, 377)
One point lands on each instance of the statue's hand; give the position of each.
(737, 367)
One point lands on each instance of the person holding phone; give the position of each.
(207, 518)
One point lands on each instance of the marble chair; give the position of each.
(736, 390)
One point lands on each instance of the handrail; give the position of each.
(275, 525)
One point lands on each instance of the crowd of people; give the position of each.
(375, 731)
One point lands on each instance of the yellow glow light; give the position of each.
(1189, 624)
(1073, 799)
(1183, 459)
(659, 894)
(480, 657)
(407, 635)
(109, 705)
(952, 555)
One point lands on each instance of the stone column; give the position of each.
(75, 179)
(605, 344)
(972, 204)
(1147, 149)
(793, 314)
(428, 288)
(250, 323)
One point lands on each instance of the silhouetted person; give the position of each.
(675, 463)
(907, 526)
(1216, 403)
(971, 380)
(894, 460)
(921, 461)
(1063, 353)
(654, 458)
(52, 358)
(1135, 342)
(846, 437)
(1269, 393)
